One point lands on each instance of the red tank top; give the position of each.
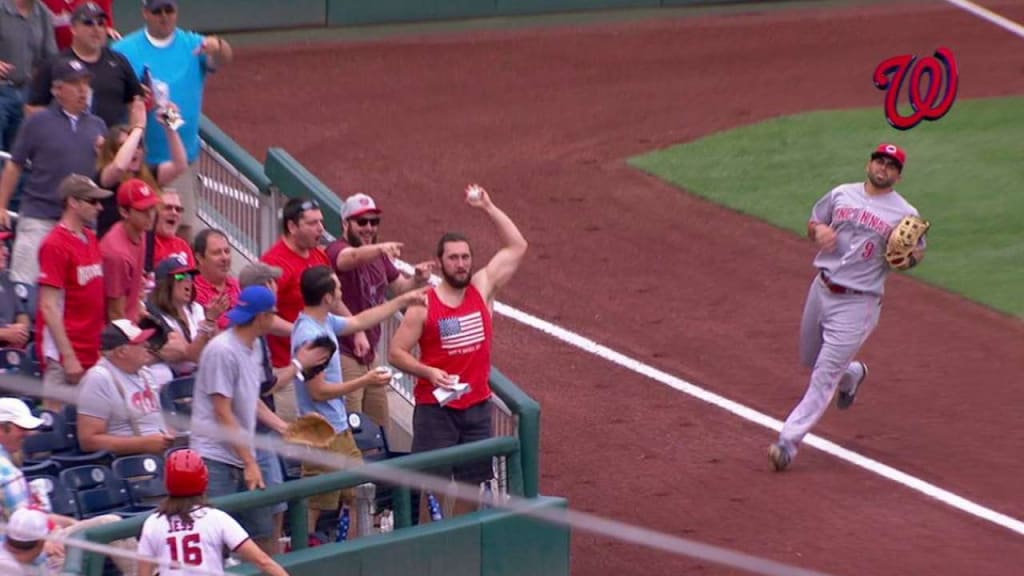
(458, 341)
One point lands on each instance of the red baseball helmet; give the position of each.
(185, 474)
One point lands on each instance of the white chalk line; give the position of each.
(986, 14)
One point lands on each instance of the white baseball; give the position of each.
(473, 192)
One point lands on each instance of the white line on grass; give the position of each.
(756, 417)
(986, 14)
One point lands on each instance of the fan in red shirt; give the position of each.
(454, 334)
(62, 10)
(216, 290)
(124, 249)
(298, 249)
(167, 243)
(71, 291)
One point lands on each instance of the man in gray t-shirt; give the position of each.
(851, 227)
(226, 398)
(119, 397)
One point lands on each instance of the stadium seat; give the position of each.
(55, 442)
(29, 293)
(44, 468)
(14, 361)
(61, 500)
(369, 437)
(143, 475)
(98, 491)
(176, 396)
(32, 357)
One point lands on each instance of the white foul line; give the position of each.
(756, 417)
(986, 14)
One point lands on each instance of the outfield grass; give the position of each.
(964, 172)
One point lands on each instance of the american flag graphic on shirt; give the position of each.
(461, 331)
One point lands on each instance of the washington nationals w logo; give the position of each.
(926, 104)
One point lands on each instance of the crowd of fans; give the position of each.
(117, 293)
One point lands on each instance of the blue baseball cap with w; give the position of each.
(252, 301)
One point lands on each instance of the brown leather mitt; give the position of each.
(902, 241)
(311, 430)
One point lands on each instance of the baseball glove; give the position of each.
(902, 241)
(312, 430)
(322, 341)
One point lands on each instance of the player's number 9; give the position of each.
(191, 553)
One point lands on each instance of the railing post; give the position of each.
(268, 219)
(401, 502)
(298, 520)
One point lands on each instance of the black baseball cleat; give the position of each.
(845, 399)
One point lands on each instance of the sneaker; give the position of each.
(780, 457)
(845, 399)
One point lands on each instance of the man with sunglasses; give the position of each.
(61, 140)
(71, 316)
(364, 267)
(64, 18)
(167, 243)
(114, 83)
(182, 59)
(850, 225)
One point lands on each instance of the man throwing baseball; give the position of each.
(454, 335)
(851, 226)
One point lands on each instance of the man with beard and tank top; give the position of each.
(454, 334)
(364, 267)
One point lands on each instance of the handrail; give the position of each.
(528, 411)
(295, 181)
(235, 154)
(80, 562)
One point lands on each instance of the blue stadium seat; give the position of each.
(143, 475)
(369, 437)
(45, 468)
(54, 441)
(98, 491)
(61, 500)
(14, 361)
(29, 293)
(176, 396)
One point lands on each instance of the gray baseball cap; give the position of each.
(258, 274)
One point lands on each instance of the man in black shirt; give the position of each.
(114, 84)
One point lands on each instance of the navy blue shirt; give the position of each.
(55, 150)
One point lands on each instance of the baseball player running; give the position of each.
(851, 225)
(186, 530)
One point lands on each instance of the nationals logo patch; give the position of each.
(927, 76)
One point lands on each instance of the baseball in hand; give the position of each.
(474, 192)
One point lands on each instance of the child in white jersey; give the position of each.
(187, 530)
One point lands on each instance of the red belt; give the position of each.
(836, 288)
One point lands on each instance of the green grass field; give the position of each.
(964, 173)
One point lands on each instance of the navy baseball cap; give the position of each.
(88, 11)
(172, 265)
(151, 5)
(253, 300)
(69, 69)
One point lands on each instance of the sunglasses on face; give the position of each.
(93, 201)
(177, 209)
(162, 10)
(367, 221)
(182, 277)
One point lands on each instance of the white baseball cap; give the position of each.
(357, 205)
(28, 525)
(16, 412)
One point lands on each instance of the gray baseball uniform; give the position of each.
(845, 297)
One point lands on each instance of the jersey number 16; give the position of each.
(186, 551)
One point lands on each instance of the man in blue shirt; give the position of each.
(324, 393)
(180, 59)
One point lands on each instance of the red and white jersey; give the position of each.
(203, 543)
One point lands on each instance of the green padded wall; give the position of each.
(225, 15)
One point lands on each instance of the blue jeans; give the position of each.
(227, 479)
(12, 101)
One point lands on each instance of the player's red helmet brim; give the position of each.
(185, 474)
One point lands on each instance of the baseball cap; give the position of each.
(88, 11)
(122, 332)
(892, 151)
(5, 234)
(157, 4)
(252, 301)
(16, 412)
(137, 195)
(258, 274)
(81, 187)
(357, 205)
(28, 526)
(172, 265)
(69, 70)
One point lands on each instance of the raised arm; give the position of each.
(505, 262)
(373, 316)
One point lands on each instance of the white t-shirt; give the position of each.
(100, 397)
(202, 543)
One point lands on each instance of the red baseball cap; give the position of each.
(892, 151)
(5, 234)
(137, 195)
